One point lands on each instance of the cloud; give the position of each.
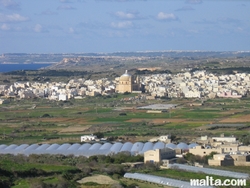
(122, 25)
(123, 15)
(10, 4)
(204, 21)
(39, 29)
(5, 27)
(229, 20)
(48, 12)
(166, 17)
(239, 29)
(65, 1)
(127, 15)
(65, 7)
(55, 27)
(92, 25)
(120, 0)
(71, 30)
(194, 31)
(13, 18)
(194, 1)
(185, 8)
(219, 21)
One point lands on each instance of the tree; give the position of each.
(133, 185)
(181, 160)
(99, 134)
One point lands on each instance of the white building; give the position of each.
(165, 138)
(62, 97)
(224, 139)
(87, 138)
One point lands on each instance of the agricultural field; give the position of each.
(97, 171)
(118, 119)
(44, 121)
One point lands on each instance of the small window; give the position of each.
(204, 152)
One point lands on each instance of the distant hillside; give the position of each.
(118, 62)
(101, 63)
(173, 61)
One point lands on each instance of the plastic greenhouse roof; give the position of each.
(127, 146)
(160, 180)
(182, 145)
(147, 146)
(192, 145)
(159, 145)
(171, 145)
(85, 149)
(210, 171)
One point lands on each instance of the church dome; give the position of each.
(125, 77)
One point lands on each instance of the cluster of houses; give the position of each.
(59, 90)
(197, 84)
(227, 151)
(189, 85)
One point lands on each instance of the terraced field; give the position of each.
(52, 121)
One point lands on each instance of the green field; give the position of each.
(41, 120)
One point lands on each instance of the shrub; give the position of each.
(45, 115)
(122, 114)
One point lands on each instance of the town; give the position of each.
(124, 94)
(145, 133)
(198, 84)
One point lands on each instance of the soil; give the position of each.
(100, 179)
(240, 119)
(156, 121)
(65, 120)
(75, 129)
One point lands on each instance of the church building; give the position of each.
(127, 83)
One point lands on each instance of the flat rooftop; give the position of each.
(158, 106)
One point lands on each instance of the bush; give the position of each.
(99, 134)
(133, 185)
(45, 115)
(181, 161)
(90, 184)
(122, 114)
(6, 81)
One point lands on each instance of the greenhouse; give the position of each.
(88, 149)
(161, 180)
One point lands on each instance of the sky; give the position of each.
(79, 26)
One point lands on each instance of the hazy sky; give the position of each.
(61, 26)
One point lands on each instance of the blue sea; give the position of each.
(15, 67)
